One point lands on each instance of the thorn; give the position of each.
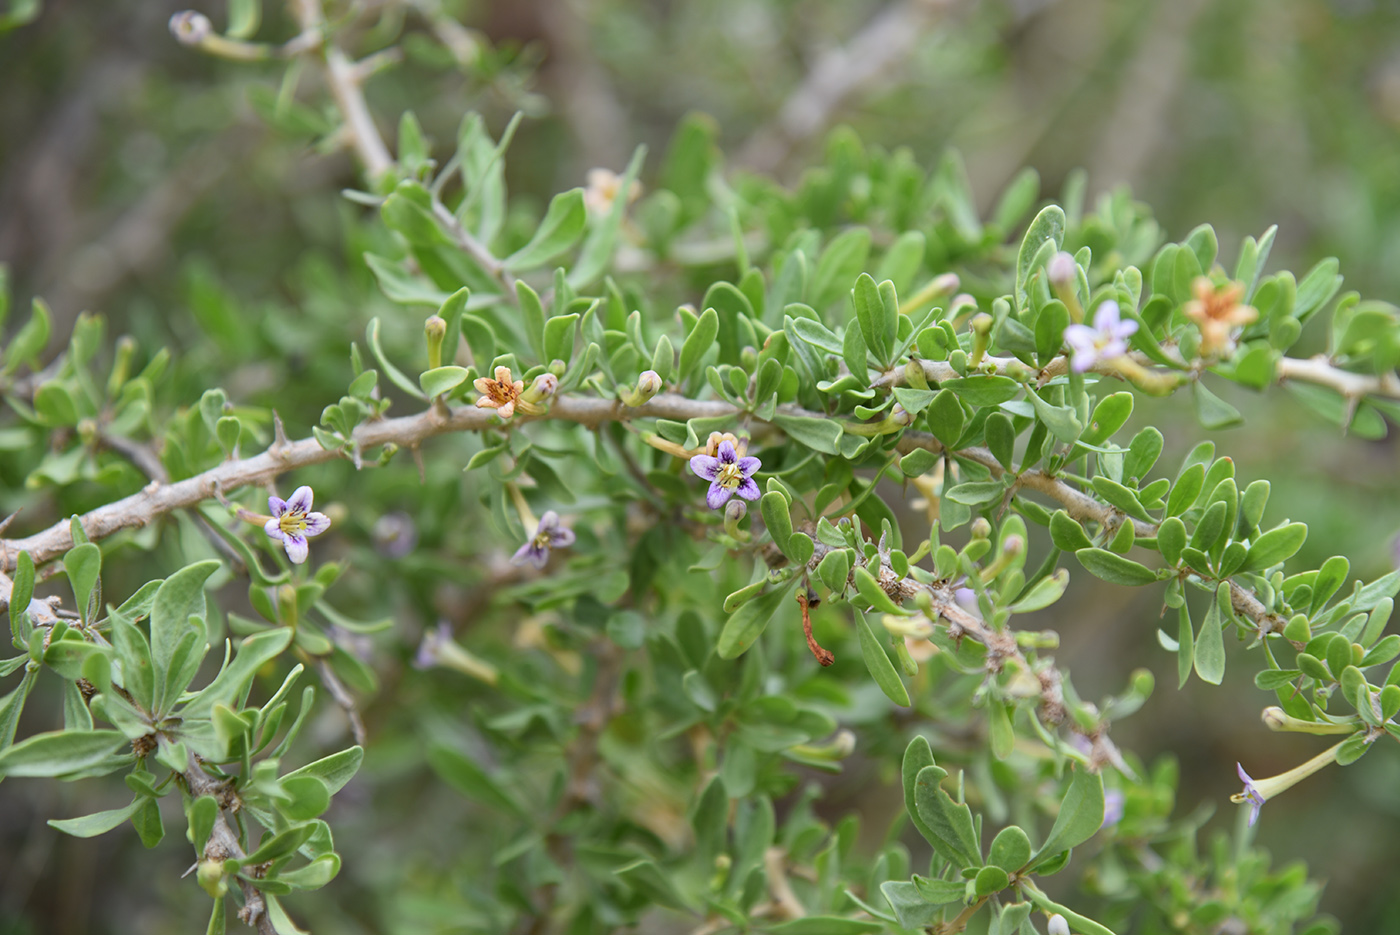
(418, 460)
(279, 432)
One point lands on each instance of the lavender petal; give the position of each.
(748, 489)
(705, 466)
(727, 454)
(561, 538)
(317, 523)
(300, 500)
(297, 549)
(277, 505)
(749, 465)
(549, 521)
(273, 529)
(717, 496)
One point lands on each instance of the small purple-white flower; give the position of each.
(548, 535)
(1113, 802)
(1101, 343)
(728, 474)
(1251, 794)
(293, 523)
(1062, 269)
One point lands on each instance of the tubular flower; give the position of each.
(728, 474)
(1105, 341)
(501, 394)
(293, 523)
(548, 535)
(1217, 310)
(1258, 791)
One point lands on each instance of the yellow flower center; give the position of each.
(730, 477)
(292, 523)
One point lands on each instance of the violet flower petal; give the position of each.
(748, 489)
(749, 465)
(705, 466)
(526, 555)
(561, 538)
(727, 454)
(277, 505)
(1106, 317)
(297, 549)
(549, 521)
(317, 523)
(717, 496)
(300, 500)
(273, 528)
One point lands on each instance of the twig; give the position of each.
(343, 698)
(824, 656)
(774, 866)
(223, 844)
(889, 38)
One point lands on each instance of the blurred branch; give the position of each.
(1132, 131)
(839, 74)
(223, 843)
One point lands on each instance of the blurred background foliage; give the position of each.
(194, 203)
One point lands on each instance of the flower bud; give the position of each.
(558, 367)
(900, 416)
(980, 528)
(545, 386)
(1062, 269)
(211, 877)
(1274, 718)
(735, 510)
(191, 28)
(435, 330)
(960, 302)
(1013, 546)
(1057, 924)
(648, 385)
(945, 284)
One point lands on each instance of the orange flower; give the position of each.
(604, 186)
(500, 394)
(1216, 310)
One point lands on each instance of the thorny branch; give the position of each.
(223, 844)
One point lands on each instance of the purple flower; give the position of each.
(293, 523)
(1101, 343)
(1251, 794)
(728, 474)
(1113, 801)
(549, 535)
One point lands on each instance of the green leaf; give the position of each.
(870, 315)
(1077, 923)
(910, 907)
(30, 341)
(441, 380)
(700, 340)
(559, 337)
(777, 519)
(1212, 411)
(230, 684)
(402, 287)
(1210, 647)
(334, 770)
(308, 798)
(1115, 569)
(1080, 815)
(314, 875)
(991, 880)
(918, 755)
(946, 418)
(1275, 546)
(877, 661)
(59, 752)
(975, 492)
(1048, 227)
(562, 225)
(954, 837)
(83, 563)
(21, 594)
(403, 214)
(1060, 420)
(987, 390)
(179, 598)
(647, 879)
(818, 434)
(395, 375)
(918, 462)
(747, 624)
(874, 595)
(90, 826)
(1067, 534)
(1011, 849)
